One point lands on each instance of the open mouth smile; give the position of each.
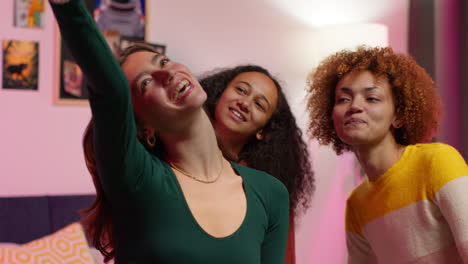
(182, 90)
(237, 114)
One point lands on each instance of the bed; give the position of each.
(38, 229)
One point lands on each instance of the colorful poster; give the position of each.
(114, 18)
(125, 16)
(29, 13)
(20, 64)
(72, 78)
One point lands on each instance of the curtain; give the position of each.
(437, 37)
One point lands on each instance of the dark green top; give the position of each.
(153, 223)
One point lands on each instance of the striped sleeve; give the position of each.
(449, 177)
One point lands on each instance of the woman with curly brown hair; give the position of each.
(255, 126)
(412, 207)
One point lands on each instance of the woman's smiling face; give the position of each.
(246, 105)
(162, 90)
(364, 109)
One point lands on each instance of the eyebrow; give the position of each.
(262, 96)
(137, 78)
(246, 83)
(154, 60)
(349, 90)
(266, 100)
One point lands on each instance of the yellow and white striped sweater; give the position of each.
(416, 212)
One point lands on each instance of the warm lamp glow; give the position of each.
(335, 38)
(318, 13)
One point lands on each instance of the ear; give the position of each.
(149, 131)
(397, 123)
(259, 134)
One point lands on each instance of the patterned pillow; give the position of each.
(67, 245)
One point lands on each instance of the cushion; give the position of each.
(67, 245)
(2, 245)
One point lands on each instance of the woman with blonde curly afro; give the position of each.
(412, 207)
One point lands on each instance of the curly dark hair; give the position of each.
(282, 152)
(417, 103)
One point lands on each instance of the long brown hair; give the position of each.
(97, 218)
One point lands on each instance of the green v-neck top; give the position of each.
(153, 223)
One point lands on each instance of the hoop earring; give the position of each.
(259, 135)
(151, 141)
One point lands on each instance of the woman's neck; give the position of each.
(377, 159)
(231, 148)
(230, 142)
(195, 150)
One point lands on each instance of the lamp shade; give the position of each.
(335, 38)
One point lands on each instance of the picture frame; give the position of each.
(115, 19)
(29, 14)
(20, 65)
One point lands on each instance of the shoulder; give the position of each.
(357, 200)
(437, 155)
(433, 149)
(437, 146)
(442, 162)
(263, 183)
(358, 194)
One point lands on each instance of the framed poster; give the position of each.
(20, 64)
(29, 13)
(115, 19)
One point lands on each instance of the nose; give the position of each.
(355, 106)
(243, 106)
(162, 76)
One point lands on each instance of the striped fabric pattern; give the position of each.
(416, 212)
(67, 245)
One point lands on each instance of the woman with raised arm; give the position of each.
(412, 206)
(169, 194)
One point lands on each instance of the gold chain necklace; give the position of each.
(195, 178)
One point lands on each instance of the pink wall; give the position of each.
(40, 142)
(397, 23)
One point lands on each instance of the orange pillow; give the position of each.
(67, 245)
